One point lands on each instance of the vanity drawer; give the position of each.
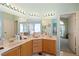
(37, 46)
(37, 41)
(37, 49)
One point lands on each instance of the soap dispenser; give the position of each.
(17, 36)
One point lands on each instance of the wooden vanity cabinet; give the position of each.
(12, 52)
(26, 49)
(33, 46)
(49, 46)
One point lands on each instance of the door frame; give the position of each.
(59, 29)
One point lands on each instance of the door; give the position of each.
(52, 47)
(26, 49)
(45, 45)
(12, 52)
(71, 30)
(6, 28)
(9, 28)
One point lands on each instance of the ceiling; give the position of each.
(44, 8)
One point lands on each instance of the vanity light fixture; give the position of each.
(12, 7)
(33, 14)
(49, 14)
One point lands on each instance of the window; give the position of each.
(25, 27)
(31, 28)
(34, 27)
(37, 28)
(21, 27)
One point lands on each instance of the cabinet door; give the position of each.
(26, 49)
(12, 52)
(52, 47)
(45, 45)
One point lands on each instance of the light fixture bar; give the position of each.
(12, 7)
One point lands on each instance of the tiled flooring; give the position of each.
(65, 51)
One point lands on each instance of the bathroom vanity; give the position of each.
(29, 46)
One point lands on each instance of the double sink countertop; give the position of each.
(7, 46)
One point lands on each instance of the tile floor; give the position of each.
(65, 51)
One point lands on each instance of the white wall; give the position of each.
(72, 31)
(77, 33)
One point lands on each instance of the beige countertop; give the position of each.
(8, 46)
